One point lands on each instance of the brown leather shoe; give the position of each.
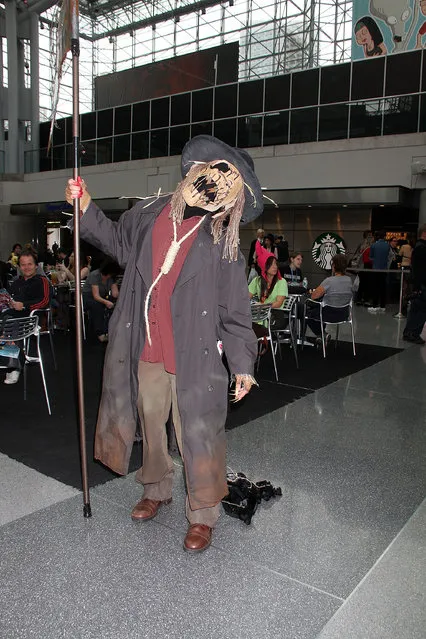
(198, 538)
(147, 509)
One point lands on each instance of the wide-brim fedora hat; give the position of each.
(206, 148)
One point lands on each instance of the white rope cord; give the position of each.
(165, 268)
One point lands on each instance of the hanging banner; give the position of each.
(387, 26)
(325, 247)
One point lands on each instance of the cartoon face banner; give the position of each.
(325, 247)
(387, 26)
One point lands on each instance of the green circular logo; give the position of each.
(325, 247)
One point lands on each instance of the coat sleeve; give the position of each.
(113, 238)
(235, 327)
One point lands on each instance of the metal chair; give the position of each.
(261, 314)
(324, 320)
(20, 329)
(46, 328)
(289, 333)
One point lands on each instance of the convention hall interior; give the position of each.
(322, 534)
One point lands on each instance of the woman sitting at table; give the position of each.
(99, 294)
(292, 272)
(335, 291)
(268, 288)
(84, 265)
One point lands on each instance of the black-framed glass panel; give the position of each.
(304, 88)
(249, 131)
(45, 159)
(121, 148)
(250, 97)
(303, 125)
(160, 113)
(226, 130)
(368, 78)
(335, 83)
(333, 122)
(69, 156)
(180, 109)
(59, 132)
(140, 116)
(179, 136)
(43, 131)
(88, 126)
(277, 92)
(159, 143)
(423, 85)
(88, 153)
(401, 115)
(105, 122)
(225, 101)
(366, 119)
(403, 73)
(122, 119)
(422, 119)
(58, 154)
(104, 151)
(68, 129)
(202, 105)
(201, 128)
(275, 128)
(140, 146)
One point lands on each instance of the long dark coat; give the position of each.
(210, 302)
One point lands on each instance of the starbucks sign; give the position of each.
(325, 247)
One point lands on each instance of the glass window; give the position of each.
(122, 119)
(367, 78)
(59, 132)
(181, 108)
(160, 113)
(366, 119)
(68, 129)
(304, 88)
(226, 130)
(424, 71)
(159, 143)
(88, 126)
(250, 131)
(69, 156)
(250, 97)
(333, 122)
(303, 125)
(179, 136)
(88, 153)
(401, 114)
(275, 128)
(203, 128)
(334, 85)
(140, 116)
(121, 148)
(104, 151)
(104, 124)
(140, 146)
(277, 93)
(45, 160)
(422, 112)
(225, 101)
(403, 73)
(58, 157)
(44, 133)
(202, 105)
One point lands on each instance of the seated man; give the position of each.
(98, 290)
(335, 291)
(29, 292)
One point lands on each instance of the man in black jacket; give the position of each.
(29, 292)
(417, 313)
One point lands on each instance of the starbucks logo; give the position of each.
(325, 247)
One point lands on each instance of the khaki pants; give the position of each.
(157, 394)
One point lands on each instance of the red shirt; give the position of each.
(162, 347)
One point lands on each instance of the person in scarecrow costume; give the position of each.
(184, 295)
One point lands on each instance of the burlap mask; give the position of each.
(212, 186)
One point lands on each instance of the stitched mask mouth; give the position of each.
(215, 185)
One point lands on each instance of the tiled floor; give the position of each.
(341, 555)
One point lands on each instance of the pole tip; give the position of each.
(87, 511)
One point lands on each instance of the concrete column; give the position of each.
(12, 156)
(422, 207)
(35, 91)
